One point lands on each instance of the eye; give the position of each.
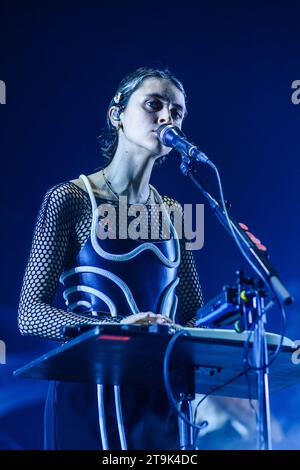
(154, 105)
(176, 114)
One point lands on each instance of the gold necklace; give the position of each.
(108, 183)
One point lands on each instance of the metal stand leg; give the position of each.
(119, 414)
(185, 431)
(102, 421)
(260, 353)
(101, 417)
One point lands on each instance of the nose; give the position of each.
(164, 116)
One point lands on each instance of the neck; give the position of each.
(133, 179)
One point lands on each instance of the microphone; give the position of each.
(172, 136)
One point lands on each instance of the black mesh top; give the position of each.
(62, 227)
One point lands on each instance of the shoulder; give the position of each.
(172, 203)
(64, 192)
(77, 183)
(64, 198)
(97, 185)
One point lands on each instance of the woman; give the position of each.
(110, 278)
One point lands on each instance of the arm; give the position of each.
(49, 249)
(188, 291)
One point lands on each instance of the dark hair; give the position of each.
(129, 84)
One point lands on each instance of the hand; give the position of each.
(146, 318)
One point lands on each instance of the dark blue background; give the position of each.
(62, 64)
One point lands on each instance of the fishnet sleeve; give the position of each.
(36, 315)
(188, 291)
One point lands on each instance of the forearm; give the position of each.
(43, 320)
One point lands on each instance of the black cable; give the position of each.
(167, 381)
(247, 363)
(252, 264)
(213, 390)
(250, 392)
(278, 348)
(244, 253)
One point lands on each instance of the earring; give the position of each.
(116, 115)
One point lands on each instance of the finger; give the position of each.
(147, 314)
(164, 319)
(161, 321)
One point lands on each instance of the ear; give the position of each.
(114, 116)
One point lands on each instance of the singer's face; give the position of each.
(156, 102)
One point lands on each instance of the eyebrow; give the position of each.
(164, 97)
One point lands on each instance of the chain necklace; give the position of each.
(116, 194)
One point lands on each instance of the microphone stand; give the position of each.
(269, 275)
(267, 271)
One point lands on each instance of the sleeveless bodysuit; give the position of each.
(104, 280)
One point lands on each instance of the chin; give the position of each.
(154, 147)
(158, 150)
(163, 151)
(159, 154)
